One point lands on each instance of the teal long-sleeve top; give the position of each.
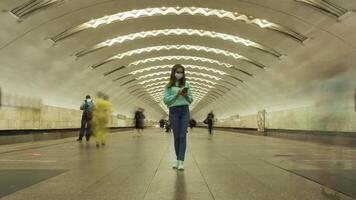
(171, 99)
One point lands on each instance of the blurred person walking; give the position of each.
(161, 124)
(87, 116)
(178, 96)
(192, 124)
(139, 121)
(210, 122)
(101, 118)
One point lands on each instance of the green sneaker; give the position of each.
(180, 165)
(175, 165)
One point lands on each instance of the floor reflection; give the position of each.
(180, 186)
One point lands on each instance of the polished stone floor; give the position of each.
(230, 166)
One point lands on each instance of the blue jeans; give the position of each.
(179, 117)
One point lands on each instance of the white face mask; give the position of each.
(178, 76)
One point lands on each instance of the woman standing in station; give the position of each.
(178, 96)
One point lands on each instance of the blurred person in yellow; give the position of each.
(101, 118)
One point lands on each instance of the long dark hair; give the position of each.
(173, 78)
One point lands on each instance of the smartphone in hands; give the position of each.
(184, 90)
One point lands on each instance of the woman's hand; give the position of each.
(178, 93)
(184, 94)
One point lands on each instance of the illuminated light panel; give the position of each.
(194, 91)
(159, 96)
(195, 11)
(163, 83)
(186, 58)
(163, 86)
(187, 72)
(180, 47)
(158, 93)
(197, 92)
(185, 66)
(167, 78)
(178, 31)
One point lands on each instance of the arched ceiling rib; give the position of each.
(158, 91)
(160, 67)
(326, 6)
(178, 31)
(167, 72)
(30, 7)
(223, 14)
(235, 56)
(206, 69)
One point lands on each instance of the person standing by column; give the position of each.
(210, 119)
(85, 128)
(101, 119)
(178, 96)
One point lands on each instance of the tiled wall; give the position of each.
(341, 119)
(47, 117)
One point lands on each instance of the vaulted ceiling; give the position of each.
(240, 55)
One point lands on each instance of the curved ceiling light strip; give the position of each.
(194, 91)
(326, 7)
(161, 91)
(192, 83)
(197, 97)
(178, 32)
(180, 47)
(169, 72)
(170, 58)
(163, 83)
(193, 73)
(185, 66)
(195, 94)
(169, 67)
(186, 58)
(167, 78)
(195, 11)
(158, 87)
(161, 87)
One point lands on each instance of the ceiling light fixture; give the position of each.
(195, 11)
(235, 56)
(178, 32)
